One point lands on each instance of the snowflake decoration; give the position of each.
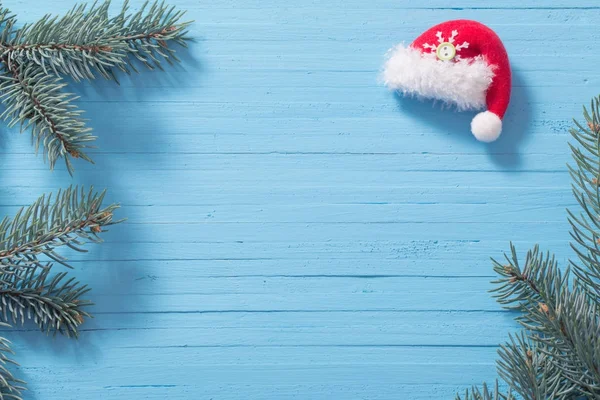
(446, 50)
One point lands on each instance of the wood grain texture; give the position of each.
(296, 231)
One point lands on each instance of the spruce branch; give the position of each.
(528, 368)
(147, 34)
(485, 394)
(74, 45)
(72, 218)
(82, 44)
(10, 386)
(34, 100)
(28, 244)
(54, 304)
(585, 225)
(557, 354)
(561, 323)
(86, 40)
(7, 23)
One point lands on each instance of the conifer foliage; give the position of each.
(29, 246)
(83, 44)
(557, 353)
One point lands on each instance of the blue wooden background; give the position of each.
(295, 230)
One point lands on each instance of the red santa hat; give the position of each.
(460, 62)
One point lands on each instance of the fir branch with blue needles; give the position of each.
(29, 247)
(557, 353)
(83, 44)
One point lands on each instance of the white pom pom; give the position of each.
(486, 126)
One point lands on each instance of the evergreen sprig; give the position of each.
(485, 394)
(84, 43)
(10, 387)
(585, 225)
(28, 247)
(75, 216)
(557, 354)
(54, 304)
(34, 100)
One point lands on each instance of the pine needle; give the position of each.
(557, 354)
(84, 43)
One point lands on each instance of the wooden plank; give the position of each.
(296, 231)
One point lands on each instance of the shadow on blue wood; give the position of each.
(504, 152)
(145, 86)
(88, 349)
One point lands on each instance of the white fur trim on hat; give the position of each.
(486, 126)
(462, 83)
